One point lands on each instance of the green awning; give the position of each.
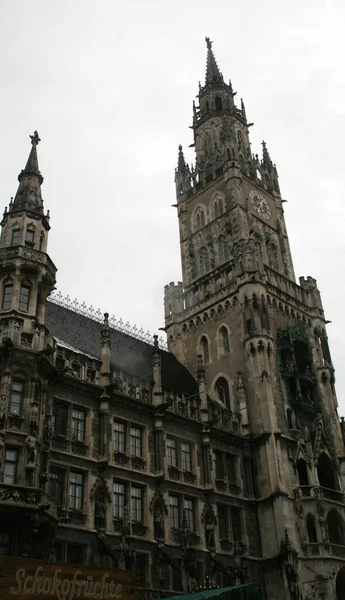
(247, 591)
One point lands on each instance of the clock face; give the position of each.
(260, 205)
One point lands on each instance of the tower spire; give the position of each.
(29, 194)
(213, 74)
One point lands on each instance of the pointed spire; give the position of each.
(181, 163)
(213, 74)
(243, 110)
(29, 194)
(266, 159)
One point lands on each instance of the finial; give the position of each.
(155, 341)
(106, 320)
(35, 139)
(208, 43)
(266, 159)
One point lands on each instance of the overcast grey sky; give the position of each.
(109, 86)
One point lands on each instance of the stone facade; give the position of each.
(222, 457)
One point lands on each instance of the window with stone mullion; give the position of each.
(171, 452)
(119, 437)
(136, 442)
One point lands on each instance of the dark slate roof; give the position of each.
(127, 353)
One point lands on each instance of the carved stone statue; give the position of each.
(100, 519)
(30, 444)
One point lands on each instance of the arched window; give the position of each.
(200, 218)
(7, 295)
(218, 207)
(325, 472)
(204, 349)
(335, 528)
(302, 472)
(223, 249)
(289, 418)
(218, 103)
(224, 340)
(204, 261)
(222, 391)
(311, 528)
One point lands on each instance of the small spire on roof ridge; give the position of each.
(213, 74)
(266, 159)
(29, 194)
(181, 164)
(243, 110)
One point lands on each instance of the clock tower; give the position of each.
(260, 336)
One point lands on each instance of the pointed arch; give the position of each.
(222, 391)
(325, 472)
(302, 472)
(223, 340)
(204, 349)
(204, 261)
(199, 217)
(218, 207)
(336, 530)
(223, 249)
(311, 528)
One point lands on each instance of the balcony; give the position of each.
(336, 550)
(310, 492)
(70, 444)
(17, 496)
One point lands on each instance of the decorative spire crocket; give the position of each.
(29, 196)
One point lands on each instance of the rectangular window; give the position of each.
(171, 453)
(218, 462)
(174, 512)
(16, 398)
(136, 449)
(56, 485)
(4, 543)
(75, 490)
(75, 554)
(186, 461)
(188, 507)
(7, 296)
(236, 524)
(30, 237)
(231, 468)
(119, 500)
(60, 418)
(136, 504)
(10, 470)
(222, 521)
(119, 437)
(24, 298)
(78, 425)
(15, 237)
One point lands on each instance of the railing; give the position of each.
(131, 386)
(311, 492)
(333, 495)
(70, 516)
(29, 254)
(15, 494)
(337, 550)
(153, 594)
(69, 443)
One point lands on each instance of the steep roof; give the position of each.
(127, 353)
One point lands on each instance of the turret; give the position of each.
(27, 275)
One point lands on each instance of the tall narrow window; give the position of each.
(78, 425)
(4, 543)
(186, 457)
(75, 490)
(188, 507)
(119, 437)
(137, 503)
(56, 484)
(75, 554)
(218, 103)
(174, 512)
(222, 391)
(60, 418)
(24, 298)
(30, 237)
(222, 521)
(231, 464)
(223, 249)
(15, 237)
(16, 398)
(200, 219)
(141, 569)
(136, 442)
(7, 296)
(204, 262)
(224, 336)
(10, 470)
(236, 524)
(218, 463)
(171, 453)
(119, 500)
(205, 353)
(218, 207)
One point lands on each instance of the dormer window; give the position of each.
(30, 237)
(15, 237)
(24, 298)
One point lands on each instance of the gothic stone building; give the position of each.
(222, 457)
